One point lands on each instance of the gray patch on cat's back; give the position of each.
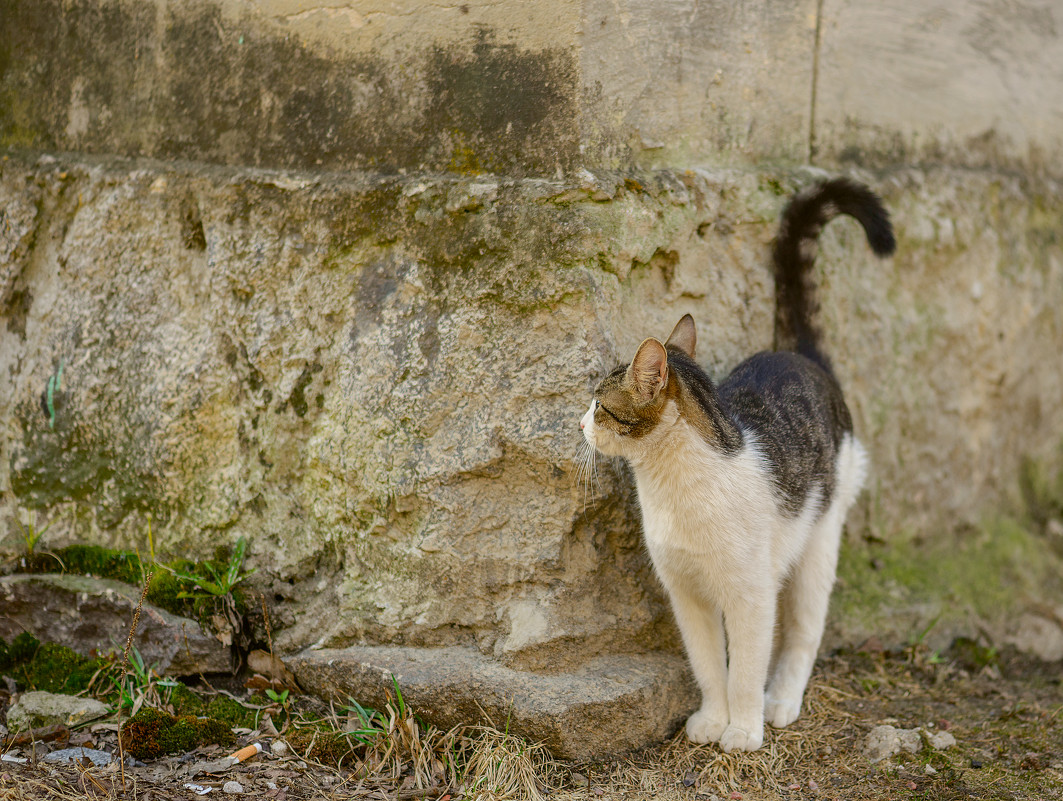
(798, 414)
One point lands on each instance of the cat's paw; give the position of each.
(705, 727)
(736, 739)
(781, 712)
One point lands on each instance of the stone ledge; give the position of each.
(610, 705)
(85, 614)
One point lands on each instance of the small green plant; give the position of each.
(139, 683)
(369, 727)
(278, 697)
(216, 583)
(49, 394)
(31, 534)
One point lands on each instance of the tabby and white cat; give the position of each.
(744, 486)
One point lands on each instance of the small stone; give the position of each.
(813, 786)
(690, 779)
(941, 740)
(38, 708)
(976, 763)
(885, 741)
(98, 758)
(930, 770)
(232, 788)
(279, 748)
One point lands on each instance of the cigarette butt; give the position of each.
(247, 752)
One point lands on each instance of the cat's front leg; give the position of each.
(750, 626)
(701, 625)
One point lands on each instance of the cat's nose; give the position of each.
(581, 426)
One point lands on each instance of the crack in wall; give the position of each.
(812, 147)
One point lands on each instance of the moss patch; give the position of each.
(165, 591)
(231, 712)
(322, 745)
(987, 571)
(50, 667)
(153, 733)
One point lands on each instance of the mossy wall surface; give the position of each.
(377, 380)
(339, 278)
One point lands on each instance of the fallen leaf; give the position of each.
(270, 665)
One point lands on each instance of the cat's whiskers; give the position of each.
(586, 469)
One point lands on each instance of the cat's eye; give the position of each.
(597, 403)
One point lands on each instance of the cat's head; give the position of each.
(635, 405)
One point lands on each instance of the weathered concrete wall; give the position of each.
(536, 87)
(339, 277)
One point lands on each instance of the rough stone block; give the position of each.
(612, 704)
(37, 708)
(87, 614)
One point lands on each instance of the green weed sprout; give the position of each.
(139, 682)
(49, 397)
(370, 726)
(31, 535)
(219, 583)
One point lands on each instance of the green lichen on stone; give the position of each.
(66, 458)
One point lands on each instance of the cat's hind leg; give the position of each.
(803, 615)
(806, 597)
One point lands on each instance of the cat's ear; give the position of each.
(684, 336)
(648, 372)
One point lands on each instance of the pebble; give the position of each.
(941, 740)
(98, 758)
(279, 748)
(232, 788)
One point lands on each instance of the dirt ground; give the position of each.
(1004, 710)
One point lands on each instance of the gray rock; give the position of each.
(88, 614)
(885, 741)
(940, 740)
(97, 757)
(1038, 633)
(612, 704)
(39, 708)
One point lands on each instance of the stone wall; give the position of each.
(339, 277)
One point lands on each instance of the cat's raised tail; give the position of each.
(795, 253)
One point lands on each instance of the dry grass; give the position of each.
(1011, 718)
